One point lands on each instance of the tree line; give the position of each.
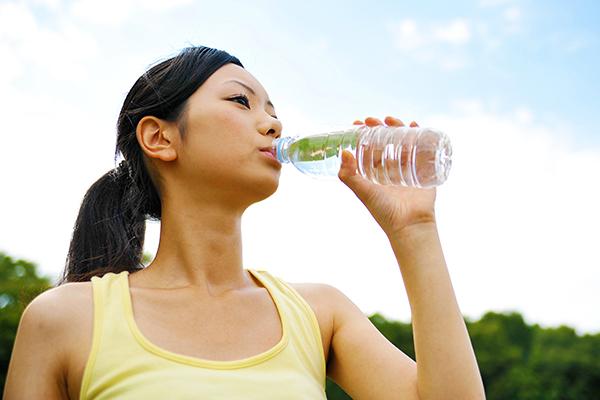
(517, 360)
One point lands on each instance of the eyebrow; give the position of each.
(249, 89)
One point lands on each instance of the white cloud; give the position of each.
(456, 32)
(518, 217)
(116, 12)
(453, 63)
(16, 21)
(11, 68)
(106, 12)
(513, 20)
(512, 14)
(452, 41)
(405, 35)
(495, 3)
(468, 106)
(439, 43)
(576, 44)
(163, 5)
(31, 47)
(523, 115)
(572, 42)
(50, 4)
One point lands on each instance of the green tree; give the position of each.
(517, 360)
(19, 284)
(502, 343)
(520, 361)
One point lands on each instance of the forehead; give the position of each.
(231, 76)
(229, 72)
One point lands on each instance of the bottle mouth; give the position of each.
(279, 148)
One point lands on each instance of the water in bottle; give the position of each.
(386, 155)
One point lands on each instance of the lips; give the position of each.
(268, 149)
(270, 154)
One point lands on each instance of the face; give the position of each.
(226, 125)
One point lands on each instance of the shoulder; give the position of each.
(323, 295)
(318, 290)
(42, 347)
(329, 303)
(62, 316)
(66, 297)
(54, 311)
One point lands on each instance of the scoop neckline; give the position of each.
(201, 362)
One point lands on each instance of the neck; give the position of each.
(200, 247)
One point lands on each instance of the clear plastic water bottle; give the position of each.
(386, 155)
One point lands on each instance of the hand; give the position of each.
(393, 207)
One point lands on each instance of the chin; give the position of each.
(267, 187)
(258, 188)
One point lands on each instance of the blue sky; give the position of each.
(539, 56)
(513, 84)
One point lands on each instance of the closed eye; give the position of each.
(244, 100)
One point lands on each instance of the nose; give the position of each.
(271, 126)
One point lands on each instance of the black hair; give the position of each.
(108, 235)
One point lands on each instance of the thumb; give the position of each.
(349, 174)
(348, 167)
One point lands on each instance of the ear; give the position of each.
(157, 138)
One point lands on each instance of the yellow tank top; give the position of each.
(123, 364)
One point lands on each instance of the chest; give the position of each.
(213, 330)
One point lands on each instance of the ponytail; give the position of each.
(109, 232)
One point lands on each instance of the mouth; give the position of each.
(267, 149)
(268, 152)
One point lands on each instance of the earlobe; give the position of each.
(156, 138)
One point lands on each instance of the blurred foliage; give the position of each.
(147, 258)
(517, 360)
(19, 284)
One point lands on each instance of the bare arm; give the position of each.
(37, 362)
(446, 362)
(367, 366)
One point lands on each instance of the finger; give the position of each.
(413, 124)
(391, 121)
(370, 121)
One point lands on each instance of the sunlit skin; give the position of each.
(208, 181)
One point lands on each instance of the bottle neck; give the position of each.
(281, 146)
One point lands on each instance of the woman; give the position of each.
(195, 323)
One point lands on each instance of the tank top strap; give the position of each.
(109, 291)
(302, 323)
(111, 333)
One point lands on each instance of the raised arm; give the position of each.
(364, 363)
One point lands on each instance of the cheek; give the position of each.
(219, 125)
(219, 143)
(219, 148)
